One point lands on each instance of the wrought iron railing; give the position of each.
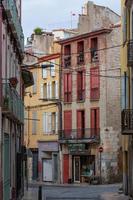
(67, 61)
(14, 21)
(80, 58)
(12, 103)
(130, 53)
(79, 134)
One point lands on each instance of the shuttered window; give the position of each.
(80, 123)
(34, 122)
(67, 123)
(44, 72)
(95, 124)
(94, 84)
(80, 85)
(52, 68)
(67, 87)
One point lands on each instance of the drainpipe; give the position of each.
(1, 182)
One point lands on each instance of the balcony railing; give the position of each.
(14, 21)
(12, 105)
(80, 58)
(127, 122)
(67, 61)
(130, 53)
(92, 134)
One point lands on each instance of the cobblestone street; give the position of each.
(70, 192)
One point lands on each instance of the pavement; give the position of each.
(75, 192)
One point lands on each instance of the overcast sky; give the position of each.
(51, 14)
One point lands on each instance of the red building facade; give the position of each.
(84, 104)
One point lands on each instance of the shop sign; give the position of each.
(76, 147)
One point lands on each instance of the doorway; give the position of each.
(77, 169)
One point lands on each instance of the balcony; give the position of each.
(14, 22)
(130, 53)
(67, 61)
(80, 58)
(88, 135)
(12, 105)
(127, 122)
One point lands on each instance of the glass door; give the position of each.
(77, 169)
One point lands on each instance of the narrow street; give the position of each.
(70, 192)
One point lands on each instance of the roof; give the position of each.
(85, 35)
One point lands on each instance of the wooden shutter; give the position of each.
(52, 68)
(42, 91)
(67, 123)
(34, 123)
(79, 124)
(56, 90)
(65, 87)
(124, 25)
(56, 121)
(94, 83)
(44, 72)
(48, 94)
(50, 90)
(70, 87)
(95, 124)
(45, 124)
(49, 122)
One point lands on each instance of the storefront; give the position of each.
(79, 163)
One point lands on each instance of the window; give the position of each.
(35, 83)
(94, 48)
(95, 121)
(67, 87)
(49, 90)
(55, 90)
(80, 86)
(50, 122)
(94, 84)
(80, 123)
(26, 122)
(67, 123)
(52, 68)
(44, 71)
(67, 56)
(34, 123)
(80, 51)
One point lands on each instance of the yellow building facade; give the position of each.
(127, 94)
(42, 116)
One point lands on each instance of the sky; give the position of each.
(52, 14)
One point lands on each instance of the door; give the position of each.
(35, 165)
(77, 169)
(65, 168)
(6, 167)
(47, 170)
(55, 173)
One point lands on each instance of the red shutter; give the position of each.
(65, 168)
(94, 83)
(67, 123)
(80, 124)
(65, 87)
(95, 121)
(70, 87)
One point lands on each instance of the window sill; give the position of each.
(95, 99)
(67, 102)
(81, 101)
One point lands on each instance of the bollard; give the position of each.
(40, 193)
